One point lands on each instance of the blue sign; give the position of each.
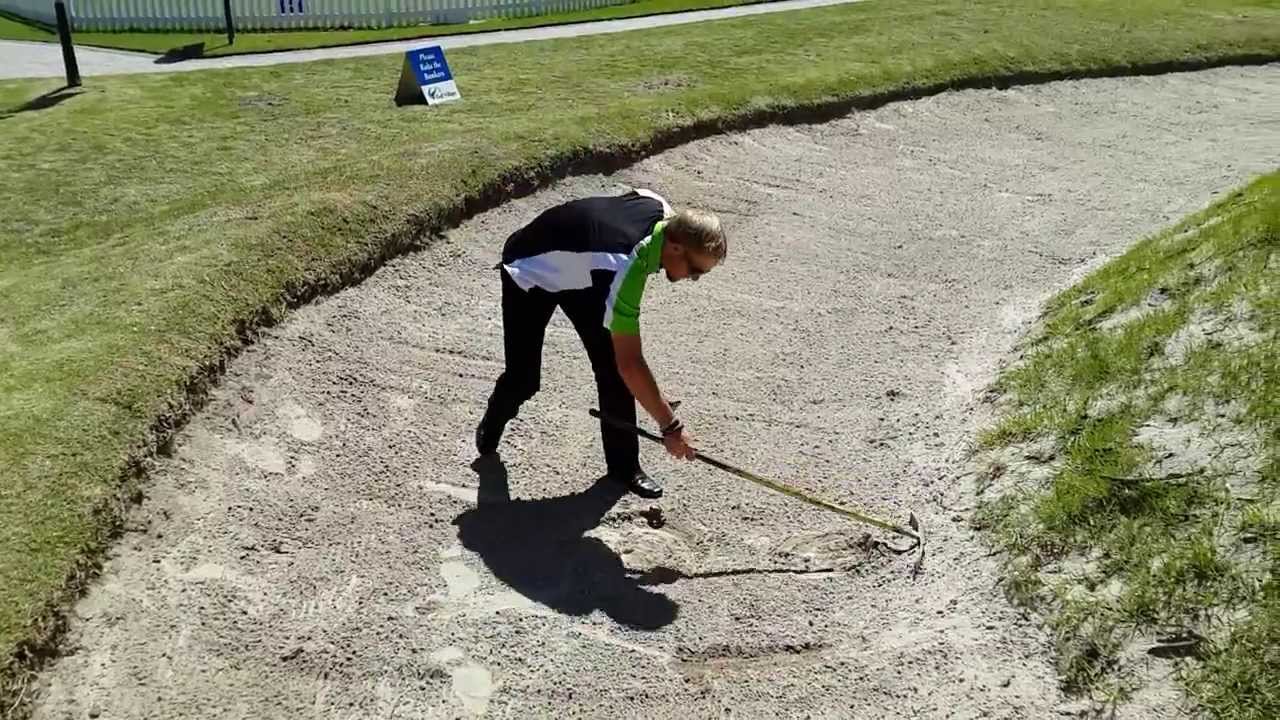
(425, 74)
(429, 65)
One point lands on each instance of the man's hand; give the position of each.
(678, 444)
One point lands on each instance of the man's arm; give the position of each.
(640, 381)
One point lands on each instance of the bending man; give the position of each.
(591, 258)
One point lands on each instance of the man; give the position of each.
(591, 258)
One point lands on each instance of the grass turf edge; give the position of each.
(1128, 547)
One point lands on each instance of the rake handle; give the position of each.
(784, 489)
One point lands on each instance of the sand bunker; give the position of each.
(321, 544)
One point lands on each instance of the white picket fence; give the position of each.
(106, 15)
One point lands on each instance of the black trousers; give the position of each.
(525, 315)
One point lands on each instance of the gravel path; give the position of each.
(314, 547)
(19, 59)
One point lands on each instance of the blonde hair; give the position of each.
(698, 230)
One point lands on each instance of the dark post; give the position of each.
(231, 24)
(68, 50)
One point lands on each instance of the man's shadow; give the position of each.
(538, 549)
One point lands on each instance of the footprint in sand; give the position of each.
(460, 595)
(644, 548)
(460, 579)
(399, 401)
(472, 682)
(262, 455)
(306, 466)
(825, 546)
(301, 425)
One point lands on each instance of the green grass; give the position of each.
(1194, 549)
(215, 43)
(149, 218)
(11, 29)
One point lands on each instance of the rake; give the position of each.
(914, 532)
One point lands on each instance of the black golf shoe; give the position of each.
(488, 433)
(640, 483)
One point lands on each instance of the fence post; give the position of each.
(68, 50)
(231, 23)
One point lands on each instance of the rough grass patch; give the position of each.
(1158, 379)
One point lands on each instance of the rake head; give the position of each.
(918, 565)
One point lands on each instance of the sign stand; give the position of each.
(69, 63)
(231, 23)
(425, 76)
